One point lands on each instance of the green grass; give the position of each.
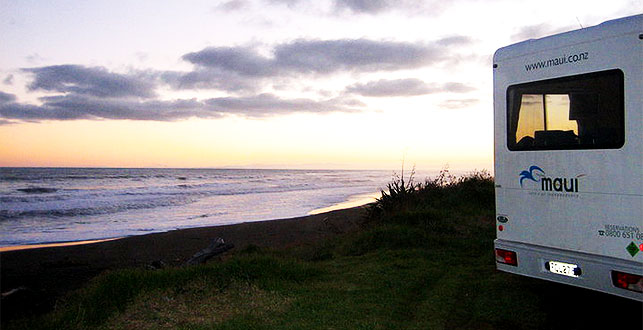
(424, 260)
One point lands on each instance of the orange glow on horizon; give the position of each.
(334, 141)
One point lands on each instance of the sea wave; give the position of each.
(49, 204)
(96, 209)
(37, 190)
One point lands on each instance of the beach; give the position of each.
(52, 205)
(60, 227)
(47, 273)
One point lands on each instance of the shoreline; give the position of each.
(352, 201)
(48, 273)
(55, 244)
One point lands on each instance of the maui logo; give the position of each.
(529, 174)
(537, 174)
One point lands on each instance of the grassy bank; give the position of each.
(423, 259)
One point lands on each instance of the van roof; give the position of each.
(620, 26)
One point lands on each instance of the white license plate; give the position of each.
(563, 268)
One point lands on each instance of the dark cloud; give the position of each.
(96, 93)
(28, 112)
(317, 56)
(6, 97)
(94, 81)
(241, 60)
(405, 87)
(72, 107)
(244, 69)
(360, 55)
(210, 78)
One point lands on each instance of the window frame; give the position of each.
(543, 87)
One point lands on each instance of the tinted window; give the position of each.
(577, 112)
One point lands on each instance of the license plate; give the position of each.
(563, 268)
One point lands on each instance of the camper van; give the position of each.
(569, 157)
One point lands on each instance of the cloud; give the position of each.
(245, 69)
(374, 7)
(73, 107)
(95, 93)
(210, 78)
(232, 5)
(456, 87)
(405, 87)
(538, 31)
(28, 112)
(365, 6)
(94, 81)
(310, 57)
(458, 104)
(243, 61)
(398, 87)
(268, 104)
(289, 3)
(6, 97)
(455, 41)
(355, 55)
(8, 80)
(6, 122)
(34, 58)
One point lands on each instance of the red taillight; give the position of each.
(506, 257)
(627, 281)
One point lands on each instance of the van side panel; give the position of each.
(597, 216)
(608, 182)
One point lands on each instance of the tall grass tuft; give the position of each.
(399, 195)
(433, 197)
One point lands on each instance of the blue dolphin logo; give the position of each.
(530, 174)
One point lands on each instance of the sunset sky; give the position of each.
(351, 84)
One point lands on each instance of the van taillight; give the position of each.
(627, 281)
(506, 257)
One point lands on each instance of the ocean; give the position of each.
(45, 205)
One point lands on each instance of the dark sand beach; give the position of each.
(44, 274)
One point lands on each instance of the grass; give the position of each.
(424, 260)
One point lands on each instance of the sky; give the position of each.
(329, 84)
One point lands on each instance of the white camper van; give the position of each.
(569, 157)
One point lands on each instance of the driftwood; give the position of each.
(156, 264)
(217, 247)
(20, 301)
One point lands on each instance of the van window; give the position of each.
(576, 112)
